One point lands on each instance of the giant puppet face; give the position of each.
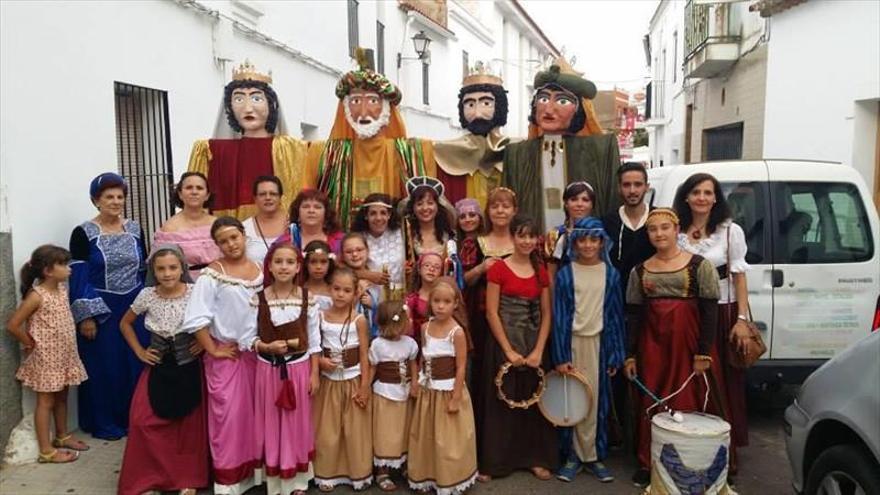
(367, 112)
(251, 108)
(482, 107)
(554, 109)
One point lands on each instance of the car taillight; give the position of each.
(876, 325)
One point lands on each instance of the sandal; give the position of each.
(385, 483)
(58, 457)
(541, 473)
(68, 442)
(325, 488)
(483, 478)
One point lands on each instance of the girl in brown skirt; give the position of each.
(442, 442)
(392, 367)
(343, 436)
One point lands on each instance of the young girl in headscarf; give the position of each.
(588, 338)
(167, 446)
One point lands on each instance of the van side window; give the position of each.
(821, 222)
(748, 205)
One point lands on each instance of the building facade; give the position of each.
(708, 62)
(823, 90)
(90, 87)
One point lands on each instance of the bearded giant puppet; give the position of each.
(470, 166)
(368, 151)
(249, 141)
(565, 145)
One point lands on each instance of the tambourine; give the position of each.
(567, 398)
(518, 404)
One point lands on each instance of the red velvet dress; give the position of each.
(235, 164)
(669, 332)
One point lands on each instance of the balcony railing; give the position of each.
(710, 42)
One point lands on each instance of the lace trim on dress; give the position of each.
(226, 279)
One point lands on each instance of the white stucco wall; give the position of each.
(666, 133)
(59, 61)
(823, 83)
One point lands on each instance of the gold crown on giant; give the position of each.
(247, 72)
(480, 74)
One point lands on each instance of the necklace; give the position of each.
(698, 232)
(676, 255)
(285, 298)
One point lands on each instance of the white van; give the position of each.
(813, 240)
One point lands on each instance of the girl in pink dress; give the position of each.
(288, 348)
(51, 363)
(220, 315)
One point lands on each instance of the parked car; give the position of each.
(813, 234)
(833, 427)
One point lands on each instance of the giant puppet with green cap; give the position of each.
(368, 151)
(249, 140)
(566, 144)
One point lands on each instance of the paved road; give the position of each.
(764, 470)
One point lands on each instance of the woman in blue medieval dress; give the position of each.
(107, 274)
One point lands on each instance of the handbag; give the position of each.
(755, 346)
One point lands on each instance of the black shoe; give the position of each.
(641, 478)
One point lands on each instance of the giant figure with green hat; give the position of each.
(566, 144)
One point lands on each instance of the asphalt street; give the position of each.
(763, 470)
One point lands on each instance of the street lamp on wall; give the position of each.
(421, 42)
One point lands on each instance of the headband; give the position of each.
(502, 189)
(579, 183)
(375, 203)
(663, 212)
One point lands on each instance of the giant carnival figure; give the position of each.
(470, 166)
(368, 151)
(249, 141)
(565, 145)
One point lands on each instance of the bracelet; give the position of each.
(702, 357)
(629, 360)
(743, 318)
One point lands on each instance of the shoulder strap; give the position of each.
(222, 268)
(451, 333)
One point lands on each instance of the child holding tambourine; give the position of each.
(587, 338)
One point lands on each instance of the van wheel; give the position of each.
(844, 470)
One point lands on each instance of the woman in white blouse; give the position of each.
(269, 222)
(378, 221)
(708, 230)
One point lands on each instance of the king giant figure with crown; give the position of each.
(470, 166)
(249, 141)
(368, 151)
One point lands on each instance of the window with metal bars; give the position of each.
(143, 147)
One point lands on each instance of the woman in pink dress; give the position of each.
(190, 228)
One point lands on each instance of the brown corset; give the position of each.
(350, 357)
(392, 372)
(294, 332)
(440, 368)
